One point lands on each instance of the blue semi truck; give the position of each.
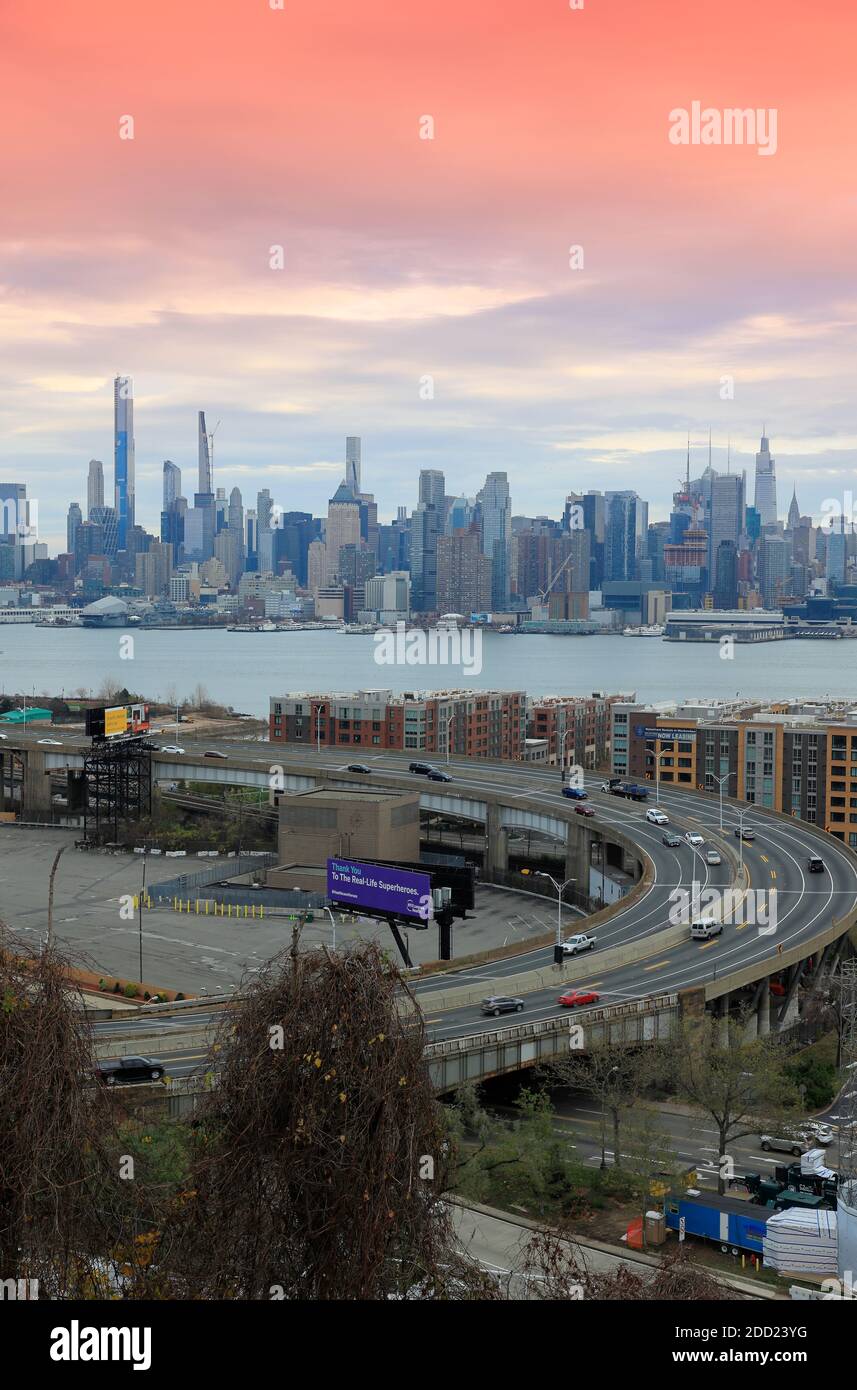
(733, 1224)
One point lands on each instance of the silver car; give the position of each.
(497, 1004)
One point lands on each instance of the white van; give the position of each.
(704, 928)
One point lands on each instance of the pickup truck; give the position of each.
(573, 945)
(632, 790)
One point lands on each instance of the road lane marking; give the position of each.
(657, 966)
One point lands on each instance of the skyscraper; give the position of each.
(352, 463)
(433, 488)
(727, 516)
(765, 499)
(172, 484)
(123, 457)
(94, 486)
(496, 512)
(205, 480)
(74, 521)
(620, 535)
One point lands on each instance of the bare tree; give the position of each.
(734, 1083)
(321, 1152)
(55, 1123)
(616, 1075)
(556, 1269)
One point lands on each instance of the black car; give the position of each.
(358, 767)
(501, 1004)
(119, 1069)
(437, 776)
(815, 865)
(423, 768)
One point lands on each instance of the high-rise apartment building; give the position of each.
(463, 574)
(123, 457)
(94, 487)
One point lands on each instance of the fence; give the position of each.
(185, 885)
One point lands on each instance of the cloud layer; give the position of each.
(405, 258)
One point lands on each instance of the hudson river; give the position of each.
(244, 669)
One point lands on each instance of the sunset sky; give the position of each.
(403, 257)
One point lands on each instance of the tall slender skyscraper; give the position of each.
(123, 456)
(94, 486)
(172, 483)
(205, 480)
(352, 463)
(766, 485)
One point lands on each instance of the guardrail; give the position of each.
(496, 1037)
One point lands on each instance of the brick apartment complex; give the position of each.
(577, 729)
(790, 756)
(469, 723)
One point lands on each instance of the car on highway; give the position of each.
(584, 810)
(115, 1070)
(745, 832)
(704, 929)
(574, 945)
(436, 775)
(657, 816)
(50, 742)
(422, 768)
(4, 735)
(713, 857)
(497, 1004)
(171, 748)
(358, 767)
(693, 837)
(576, 793)
(574, 998)
(214, 753)
(815, 865)
(672, 841)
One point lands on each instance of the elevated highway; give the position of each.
(641, 956)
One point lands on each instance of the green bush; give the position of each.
(130, 991)
(816, 1077)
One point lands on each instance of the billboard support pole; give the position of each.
(403, 950)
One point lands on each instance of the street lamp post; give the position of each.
(566, 735)
(318, 712)
(449, 723)
(332, 925)
(720, 781)
(741, 815)
(560, 889)
(663, 753)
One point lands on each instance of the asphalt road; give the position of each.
(777, 859)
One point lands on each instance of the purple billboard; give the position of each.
(379, 888)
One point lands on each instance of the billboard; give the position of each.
(117, 721)
(381, 888)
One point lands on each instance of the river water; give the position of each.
(244, 669)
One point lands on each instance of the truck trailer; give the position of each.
(733, 1224)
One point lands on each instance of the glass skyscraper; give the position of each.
(123, 456)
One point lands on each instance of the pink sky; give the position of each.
(404, 257)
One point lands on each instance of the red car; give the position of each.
(584, 810)
(575, 997)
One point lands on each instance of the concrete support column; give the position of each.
(496, 844)
(724, 1019)
(578, 857)
(36, 786)
(763, 1012)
